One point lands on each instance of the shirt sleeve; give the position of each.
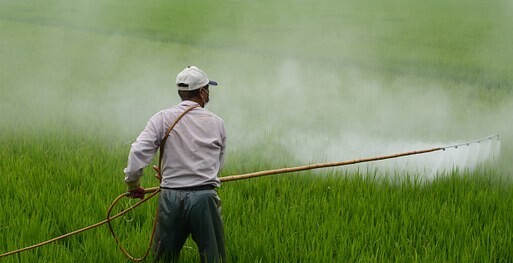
(143, 150)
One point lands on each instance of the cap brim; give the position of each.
(212, 83)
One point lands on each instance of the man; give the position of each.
(192, 158)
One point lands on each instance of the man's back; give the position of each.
(194, 150)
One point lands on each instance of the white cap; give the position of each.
(192, 78)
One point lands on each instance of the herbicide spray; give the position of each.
(461, 156)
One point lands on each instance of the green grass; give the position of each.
(79, 80)
(330, 216)
(339, 218)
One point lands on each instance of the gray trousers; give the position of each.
(181, 213)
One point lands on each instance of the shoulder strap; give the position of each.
(161, 150)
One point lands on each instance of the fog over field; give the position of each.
(310, 84)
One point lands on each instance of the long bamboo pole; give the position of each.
(312, 167)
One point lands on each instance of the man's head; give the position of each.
(193, 85)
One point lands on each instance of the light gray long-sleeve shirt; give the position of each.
(193, 152)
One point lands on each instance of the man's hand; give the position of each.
(136, 193)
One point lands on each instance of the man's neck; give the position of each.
(199, 101)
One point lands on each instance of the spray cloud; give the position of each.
(321, 83)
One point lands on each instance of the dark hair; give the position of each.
(191, 94)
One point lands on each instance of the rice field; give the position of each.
(301, 82)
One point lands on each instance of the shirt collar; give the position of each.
(188, 103)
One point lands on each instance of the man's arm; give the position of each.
(141, 153)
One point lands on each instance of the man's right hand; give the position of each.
(137, 193)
